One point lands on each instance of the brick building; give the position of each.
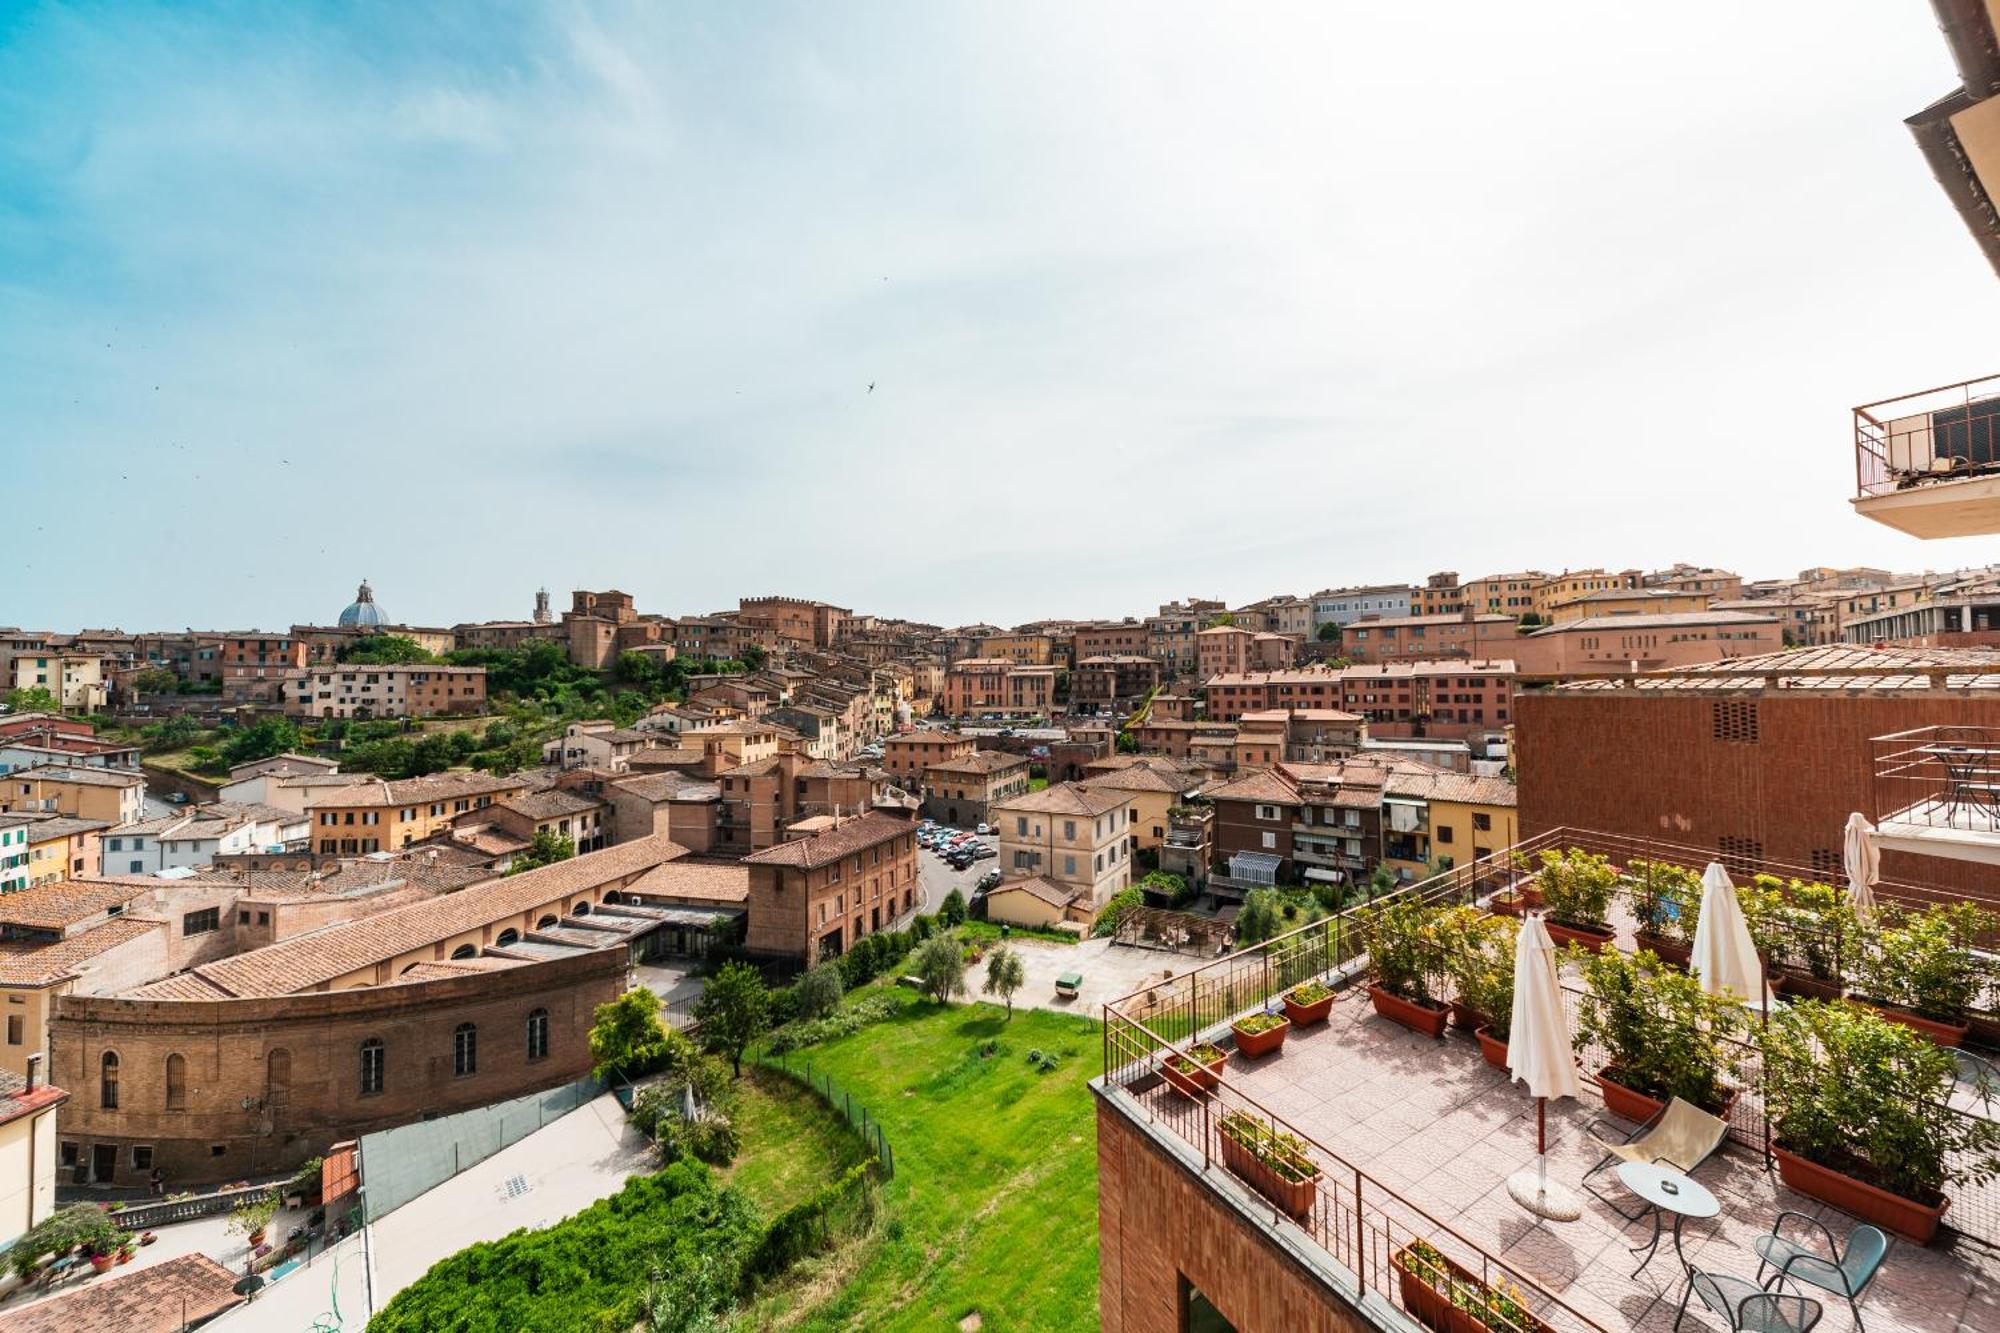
(371, 691)
(1386, 639)
(1099, 684)
(905, 757)
(963, 790)
(814, 896)
(1616, 643)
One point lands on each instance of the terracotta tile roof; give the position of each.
(980, 763)
(852, 835)
(359, 877)
(162, 1298)
(1833, 667)
(1066, 798)
(1053, 892)
(1664, 620)
(706, 880)
(310, 960)
(1264, 785)
(85, 777)
(27, 964)
(1461, 787)
(663, 756)
(68, 901)
(551, 804)
(1172, 779)
(16, 1101)
(181, 986)
(417, 791)
(669, 787)
(47, 828)
(463, 967)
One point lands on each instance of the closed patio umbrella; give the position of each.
(1864, 864)
(1725, 957)
(1539, 1055)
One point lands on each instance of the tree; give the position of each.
(168, 734)
(732, 1011)
(544, 849)
(1329, 632)
(637, 669)
(940, 968)
(626, 1036)
(1222, 618)
(1381, 882)
(512, 757)
(32, 700)
(1127, 743)
(156, 680)
(1004, 976)
(1257, 920)
(260, 740)
(754, 657)
(819, 990)
(952, 910)
(386, 650)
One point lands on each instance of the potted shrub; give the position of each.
(1405, 964)
(251, 1216)
(1861, 1118)
(1447, 1297)
(1807, 934)
(101, 1258)
(1259, 1034)
(1277, 1165)
(1663, 1036)
(126, 1253)
(1474, 943)
(1922, 971)
(1308, 1003)
(1577, 887)
(1195, 1070)
(1666, 899)
(1489, 989)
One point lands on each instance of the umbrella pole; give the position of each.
(1542, 1143)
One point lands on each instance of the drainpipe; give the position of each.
(34, 1126)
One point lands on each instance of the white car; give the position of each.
(985, 829)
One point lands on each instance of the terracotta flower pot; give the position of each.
(1292, 1197)
(1593, 938)
(1250, 1045)
(1492, 1047)
(1983, 1028)
(126, 1256)
(1532, 895)
(1416, 1017)
(1672, 952)
(1944, 1034)
(1467, 1019)
(1792, 981)
(1433, 1308)
(1305, 1015)
(257, 1236)
(1502, 905)
(1907, 1218)
(101, 1262)
(1194, 1081)
(1632, 1105)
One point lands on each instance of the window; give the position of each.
(1270, 842)
(1482, 823)
(176, 1082)
(1069, 830)
(107, 1081)
(464, 1050)
(1444, 833)
(371, 1066)
(14, 1026)
(200, 923)
(538, 1035)
(1267, 813)
(464, 951)
(142, 1157)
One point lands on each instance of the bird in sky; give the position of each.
(871, 386)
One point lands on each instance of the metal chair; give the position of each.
(1747, 1307)
(1681, 1136)
(1844, 1272)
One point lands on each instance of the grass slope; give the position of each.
(994, 1205)
(791, 1143)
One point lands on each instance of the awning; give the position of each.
(1325, 876)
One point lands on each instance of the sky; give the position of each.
(949, 311)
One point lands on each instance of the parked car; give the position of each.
(985, 829)
(987, 881)
(984, 850)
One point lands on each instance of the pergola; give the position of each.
(1180, 932)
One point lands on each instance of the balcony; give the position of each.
(1413, 1140)
(1928, 463)
(1937, 792)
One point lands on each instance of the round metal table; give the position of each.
(1667, 1191)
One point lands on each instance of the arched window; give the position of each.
(464, 951)
(278, 1075)
(547, 921)
(464, 1050)
(538, 1034)
(506, 937)
(107, 1081)
(177, 1095)
(581, 909)
(372, 1056)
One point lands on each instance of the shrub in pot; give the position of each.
(1195, 1070)
(1807, 933)
(1307, 1003)
(1259, 1034)
(1666, 899)
(1577, 888)
(1447, 1297)
(1489, 989)
(1474, 943)
(1406, 963)
(1922, 971)
(1277, 1164)
(251, 1216)
(1662, 1035)
(1860, 1112)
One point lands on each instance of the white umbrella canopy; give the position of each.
(1864, 863)
(1539, 1055)
(1725, 957)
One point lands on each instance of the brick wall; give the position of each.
(1156, 1224)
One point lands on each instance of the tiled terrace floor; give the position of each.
(1433, 1122)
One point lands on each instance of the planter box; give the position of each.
(1493, 1048)
(1294, 1198)
(1806, 986)
(1432, 1308)
(1305, 1015)
(1593, 938)
(1907, 1218)
(1983, 1028)
(1673, 952)
(1195, 1081)
(1251, 1045)
(1414, 1016)
(1533, 897)
(1467, 1019)
(1623, 1101)
(1944, 1034)
(1506, 905)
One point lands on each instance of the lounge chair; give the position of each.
(1844, 1272)
(1747, 1306)
(1681, 1136)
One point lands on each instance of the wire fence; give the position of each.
(843, 1103)
(399, 1164)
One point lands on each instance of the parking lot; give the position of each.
(938, 879)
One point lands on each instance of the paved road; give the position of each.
(935, 879)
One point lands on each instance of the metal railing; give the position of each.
(1939, 778)
(1941, 434)
(841, 1102)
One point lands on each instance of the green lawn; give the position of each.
(994, 1204)
(792, 1144)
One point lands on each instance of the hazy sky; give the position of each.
(1156, 299)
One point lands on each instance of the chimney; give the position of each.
(34, 1068)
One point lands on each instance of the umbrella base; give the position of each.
(1543, 1198)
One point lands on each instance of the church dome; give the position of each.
(363, 613)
